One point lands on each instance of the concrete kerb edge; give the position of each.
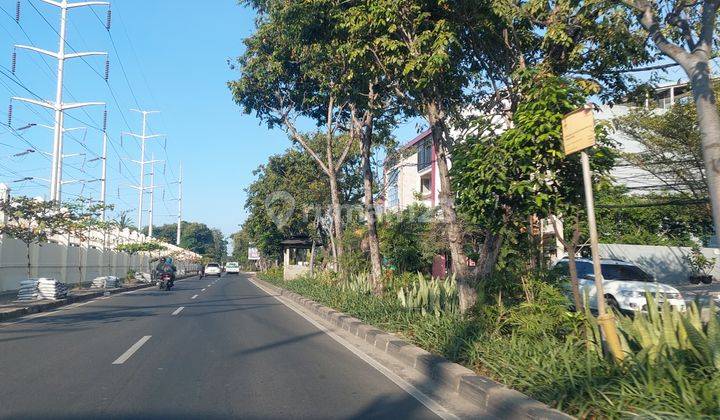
(483, 392)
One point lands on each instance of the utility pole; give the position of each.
(142, 162)
(58, 106)
(103, 177)
(152, 196)
(180, 198)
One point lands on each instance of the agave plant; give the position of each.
(434, 296)
(663, 331)
(357, 283)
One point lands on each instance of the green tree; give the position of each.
(651, 219)
(82, 218)
(33, 221)
(219, 249)
(166, 233)
(414, 47)
(197, 237)
(241, 243)
(305, 194)
(671, 149)
(503, 180)
(446, 58)
(136, 247)
(684, 31)
(292, 67)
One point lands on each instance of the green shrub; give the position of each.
(406, 241)
(394, 281)
(433, 296)
(356, 283)
(538, 347)
(272, 275)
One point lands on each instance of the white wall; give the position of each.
(61, 262)
(666, 263)
(73, 261)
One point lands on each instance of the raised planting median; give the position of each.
(538, 347)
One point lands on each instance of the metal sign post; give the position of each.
(579, 135)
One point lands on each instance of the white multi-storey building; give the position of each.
(411, 177)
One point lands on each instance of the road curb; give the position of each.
(492, 397)
(34, 308)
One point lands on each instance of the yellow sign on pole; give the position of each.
(578, 131)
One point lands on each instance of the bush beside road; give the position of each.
(542, 350)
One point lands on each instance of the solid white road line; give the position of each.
(194, 297)
(177, 311)
(424, 399)
(135, 347)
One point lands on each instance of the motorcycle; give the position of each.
(165, 281)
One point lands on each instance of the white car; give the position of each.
(625, 285)
(232, 268)
(213, 269)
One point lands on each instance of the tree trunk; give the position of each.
(337, 219)
(570, 249)
(709, 123)
(488, 254)
(370, 216)
(333, 249)
(579, 307)
(312, 258)
(466, 284)
(28, 260)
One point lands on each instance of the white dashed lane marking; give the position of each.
(128, 354)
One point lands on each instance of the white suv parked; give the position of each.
(625, 285)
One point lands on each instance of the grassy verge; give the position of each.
(542, 350)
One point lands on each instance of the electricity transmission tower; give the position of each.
(152, 188)
(180, 199)
(59, 107)
(142, 162)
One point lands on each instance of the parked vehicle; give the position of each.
(232, 268)
(213, 269)
(625, 285)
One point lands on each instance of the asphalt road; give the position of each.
(232, 351)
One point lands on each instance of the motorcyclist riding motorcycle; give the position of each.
(165, 266)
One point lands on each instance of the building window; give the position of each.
(424, 154)
(392, 189)
(425, 185)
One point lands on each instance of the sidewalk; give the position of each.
(10, 308)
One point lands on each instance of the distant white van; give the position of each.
(232, 268)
